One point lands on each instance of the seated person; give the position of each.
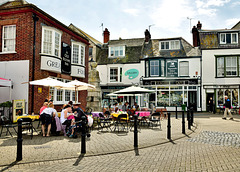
(125, 107)
(135, 106)
(46, 117)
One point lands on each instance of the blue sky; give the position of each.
(130, 18)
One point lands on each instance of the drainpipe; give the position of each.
(35, 19)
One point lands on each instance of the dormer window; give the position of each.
(228, 38)
(117, 51)
(169, 45)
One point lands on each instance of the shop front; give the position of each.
(172, 94)
(220, 91)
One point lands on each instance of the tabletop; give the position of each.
(143, 113)
(33, 117)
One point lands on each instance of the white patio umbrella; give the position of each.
(133, 90)
(77, 86)
(48, 82)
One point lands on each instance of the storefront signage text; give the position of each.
(51, 64)
(132, 73)
(66, 59)
(172, 68)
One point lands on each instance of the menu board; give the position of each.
(172, 68)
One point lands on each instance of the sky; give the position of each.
(130, 18)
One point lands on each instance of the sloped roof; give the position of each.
(152, 49)
(84, 34)
(133, 51)
(8, 3)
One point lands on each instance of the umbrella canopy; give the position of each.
(48, 82)
(78, 86)
(133, 90)
(5, 82)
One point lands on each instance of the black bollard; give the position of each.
(189, 119)
(192, 116)
(176, 113)
(183, 123)
(169, 126)
(83, 141)
(19, 140)
(135, 131)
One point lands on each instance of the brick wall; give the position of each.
(24, 48)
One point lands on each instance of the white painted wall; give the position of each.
(194, 66)
(209, 70)
(104, 72)
(18, 72)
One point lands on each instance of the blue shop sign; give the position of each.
(132, 73)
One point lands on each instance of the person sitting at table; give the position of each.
(135, 106)
(45, 105)
(115, 107)
(125, 107)
(120, 106)
(78, 111)
(46, 117)
(66, 118)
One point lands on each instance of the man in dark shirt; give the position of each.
(227, 109)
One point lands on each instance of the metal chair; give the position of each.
(122, 120)
(6, 124)
(155, 119)
(28, 125)
(104, 122)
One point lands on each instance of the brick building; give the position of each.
(33, 46)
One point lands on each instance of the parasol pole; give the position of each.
(48, 92)
(75, 95)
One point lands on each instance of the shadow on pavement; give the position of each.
(9, 166)
(81, 156)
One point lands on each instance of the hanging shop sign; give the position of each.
(132, 73)
(172, 68)
(52, 64)
(78, 71)
(66, 58)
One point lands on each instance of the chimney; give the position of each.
(106, 36)
(195, 35)
(147, 35)
(199, 25)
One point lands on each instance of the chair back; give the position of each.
(27, 120)
(155, 115)
(122, 117)
(101, 115)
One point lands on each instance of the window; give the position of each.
(114, 75)
(228, 38)
(90, 52)
(184, 68)
(51, 41)
(220, 67)
(170, 45)
(9, 38)
(78, 53)
(227, 66)
(231, 66)
(61, 96)
(162, 68)
(154, 68)
(117, 51)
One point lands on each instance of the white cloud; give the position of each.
(170, 14)
(131, 11)
(231, 22)
(209, 3)
(236, 3)
(208, 12)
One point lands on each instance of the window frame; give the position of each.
(81, 53)
(11, 38)
(54, 92)
(53, 42)
(224, 35)
(225, 67)
(117, 49)
(161, 68)
(180, 67)
(111, 76)
(171, 45)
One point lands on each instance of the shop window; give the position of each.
(176, 98)
(234, 97)
(9, 38)
(163, 98)
(51, 41)
(78, 53)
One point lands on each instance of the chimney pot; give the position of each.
(199, 25)
(147, 35)
(106, 36)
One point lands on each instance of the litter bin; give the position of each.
(184, 107)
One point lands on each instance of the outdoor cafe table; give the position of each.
(115, 115)
(96, 114)
(33, 117)
(143, 113)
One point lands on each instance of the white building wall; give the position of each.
(209, 71)
(18, 72)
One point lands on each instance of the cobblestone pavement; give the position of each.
(182, 154)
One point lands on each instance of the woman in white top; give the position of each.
(65, 113)
(47, 115)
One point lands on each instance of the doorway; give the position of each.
(192, 100)
(207, 102)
